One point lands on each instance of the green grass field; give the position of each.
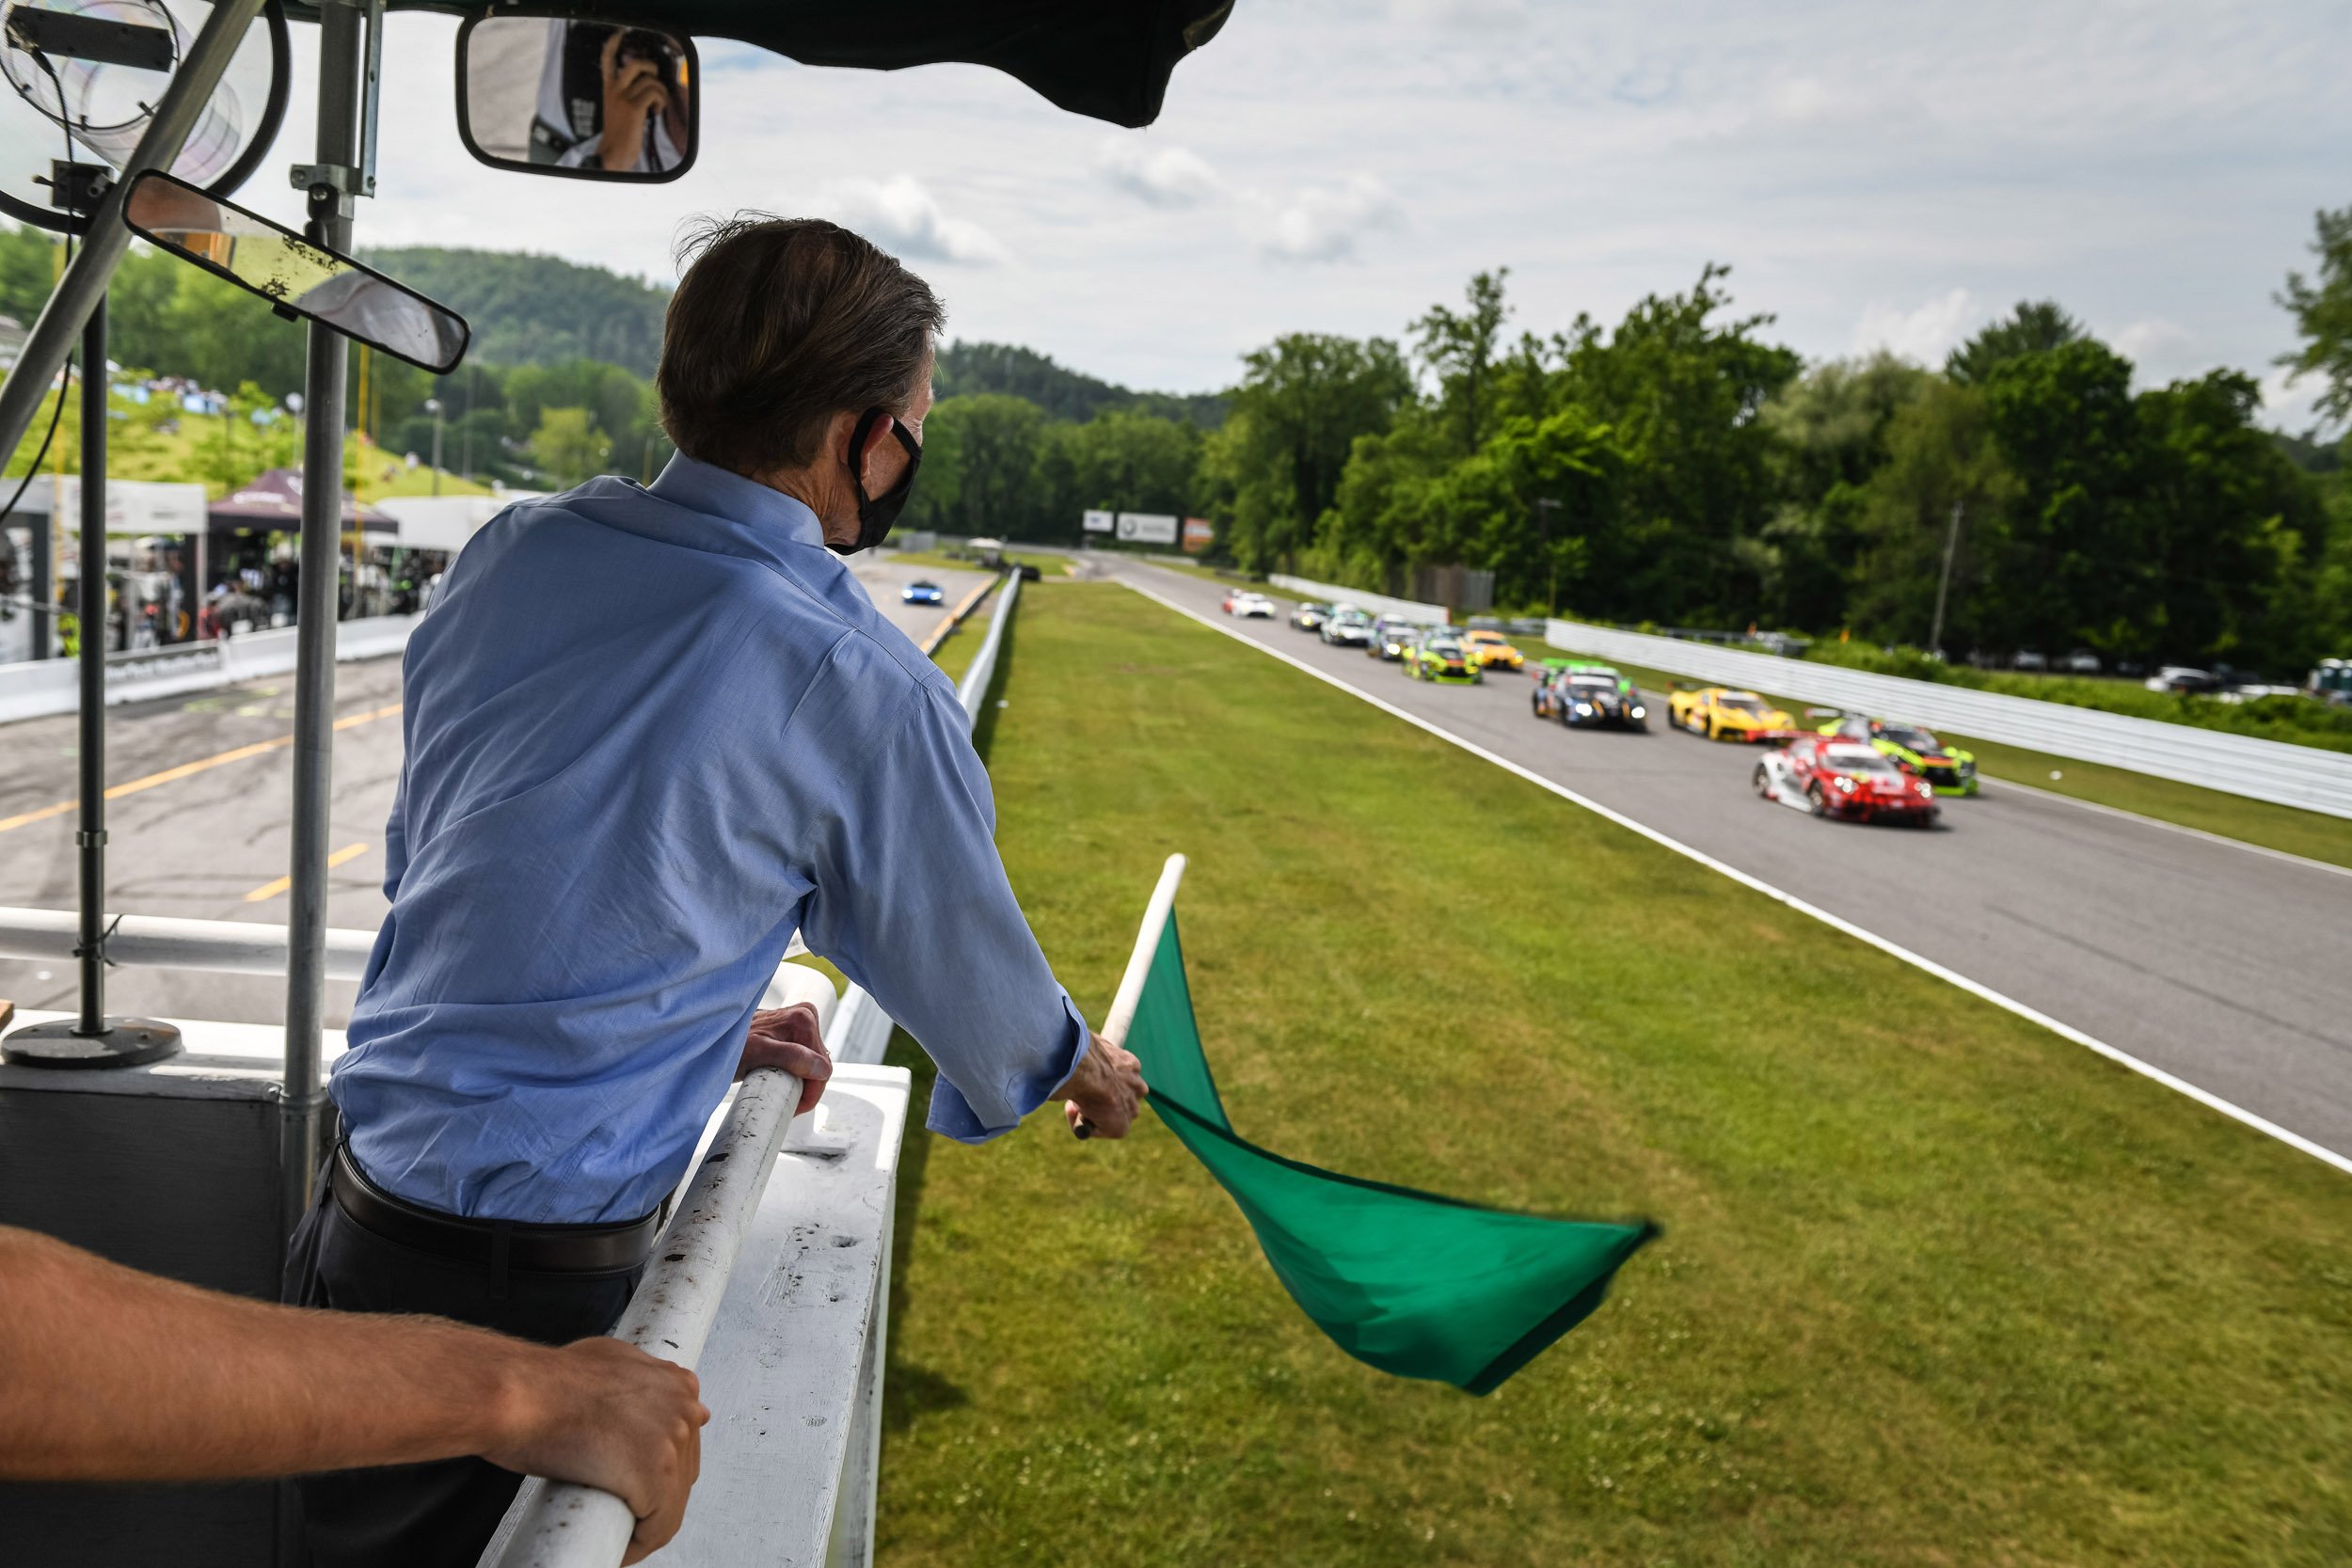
(1935, 1285)
(2309, 833)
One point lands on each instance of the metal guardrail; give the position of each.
(160, 941)
(2272, 771)
(39, 688)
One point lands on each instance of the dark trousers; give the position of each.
(425, 1515)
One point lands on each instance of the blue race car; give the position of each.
(922, 591)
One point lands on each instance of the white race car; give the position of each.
(1252, 606)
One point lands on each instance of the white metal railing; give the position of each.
(161, 941)
(2273, 770)
(43, 687)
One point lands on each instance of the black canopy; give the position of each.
(1107, 58)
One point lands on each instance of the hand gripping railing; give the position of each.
(555, 1523)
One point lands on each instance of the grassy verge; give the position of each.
(2292, 831)
(1936, 1287)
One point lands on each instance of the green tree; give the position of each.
(567, 447)
(2035, 327)
(996, 440)
(1275, 467)
(1943, 482)
(1458, 349)
(1831, 425)
(2321, 308)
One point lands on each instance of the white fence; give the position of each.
(2271, 770)
(39, 688)
(1378, 604)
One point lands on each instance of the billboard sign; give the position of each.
(1199, 533)
(1147, 528)
(1099, 522)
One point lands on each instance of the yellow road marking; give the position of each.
(187, 769)
(947, 621)
(267, 891)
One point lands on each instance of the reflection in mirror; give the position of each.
(550, 95)
(293, 274)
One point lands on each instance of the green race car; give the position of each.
(1439, 657)
(1950, 769)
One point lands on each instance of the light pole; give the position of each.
(1944, 583)
(1545, 507)
(433, 407)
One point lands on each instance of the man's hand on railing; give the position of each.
(1103, 1094)
(608, 1416)
(789, 1038)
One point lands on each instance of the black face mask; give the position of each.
(875, 514)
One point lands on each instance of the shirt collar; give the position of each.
(759, 515)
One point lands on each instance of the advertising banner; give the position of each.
(1099, 522)
(1199, 532)
(1147, 528)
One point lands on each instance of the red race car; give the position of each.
(1831, 776)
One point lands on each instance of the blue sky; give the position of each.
(1875, 175)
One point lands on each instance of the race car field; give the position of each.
(1935, 1285)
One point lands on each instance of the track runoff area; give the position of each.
(2211, 967)
(197, 827)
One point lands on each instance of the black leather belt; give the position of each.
(495, 1244)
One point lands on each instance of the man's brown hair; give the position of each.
(778, 324)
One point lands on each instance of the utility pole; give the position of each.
(1944, 583)
(1545, 506)
(433, 407)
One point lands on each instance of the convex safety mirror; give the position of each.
(297, 277)
(586, 99)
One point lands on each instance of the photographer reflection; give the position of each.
(610, 98)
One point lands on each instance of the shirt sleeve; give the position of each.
(911, 901)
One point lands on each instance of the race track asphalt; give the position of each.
(2220, 964)
(210, 842)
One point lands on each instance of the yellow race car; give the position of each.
(1721, 713)
(1491, 650)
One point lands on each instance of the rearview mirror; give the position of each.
(543, 94)
(298, 278)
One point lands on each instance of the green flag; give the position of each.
(1412, 1283)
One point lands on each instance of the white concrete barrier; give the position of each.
(1378, 604)
(39, 688)
(2273, 770)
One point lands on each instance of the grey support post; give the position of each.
(332, 182)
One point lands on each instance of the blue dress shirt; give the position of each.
(650, 731)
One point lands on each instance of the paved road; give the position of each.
(202, 833)
(2222, 965)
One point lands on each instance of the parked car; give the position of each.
(1831, 776)
(2029, 659)
(1721, 713)
(922, 591)
(2180, 677)
(1348, 627)
(2082, 661)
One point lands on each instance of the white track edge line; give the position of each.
(1919, 960)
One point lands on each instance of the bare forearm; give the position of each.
(112, 1374)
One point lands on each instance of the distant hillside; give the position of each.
(530, 309)
(1064, 394)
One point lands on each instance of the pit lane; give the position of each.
(2219, 964)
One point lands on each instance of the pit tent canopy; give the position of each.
(1108, 59)
(272, 503)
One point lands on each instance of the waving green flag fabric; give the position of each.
(1412, 1283)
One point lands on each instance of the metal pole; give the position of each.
(85, 281)
(436, 403)
(93, 1039)
(1944, 583)
(91, 606)
(339, 91)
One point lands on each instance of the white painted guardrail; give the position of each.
(2273, 770)
(39, 688)
(1378, 604)
(161, 941)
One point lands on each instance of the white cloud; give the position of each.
(1324, 223)
(902, 216)
(1462, 13)
(1167, 177)
(2154, 341)
(1924, 334)
(2291, 402)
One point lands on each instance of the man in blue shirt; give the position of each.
(650, 733)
